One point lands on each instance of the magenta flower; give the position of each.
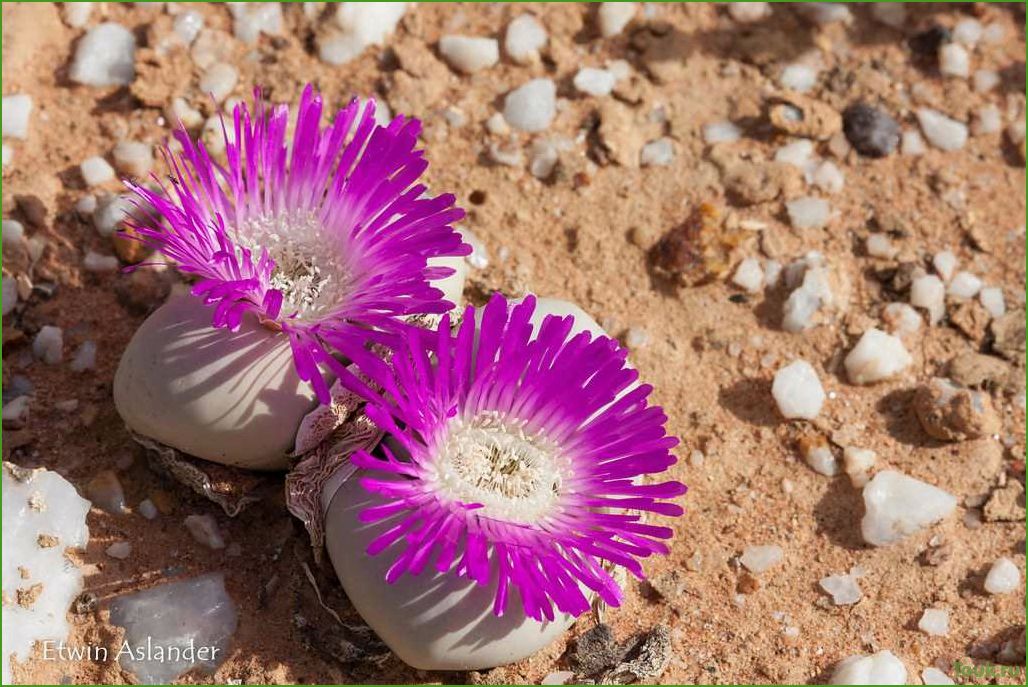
(521, 459)
(327, 238)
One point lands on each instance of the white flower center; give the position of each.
(516, 476)
(312, 276)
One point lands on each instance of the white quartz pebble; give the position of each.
(954, 60)
(360, 25)
(945, 264)
(9, 295)
(16, 111)
(985, 80)
(593, 81)
(659, 153)
(614, 17)
(147, 509)
(912, 144)
(531, 107)
(105, 56)
(1003, 577)
(251, 19)
(896, 506)
(469, 54)
(76, 14)
(134, 158)
(721, 132)
(934, 622)
(901, 319)
(218, 80)
(797, 391)
(85, 357)
(879, 246)
(892, 14)
(96, 262)
(987, 120)
(882, 668)
(524, 39)
(828, 177)
(877, 356)
(964, 285)
(6, 155)
(13, 231)
(757, 559)
(96, 170)
(120, 550)
(48, 345)
(991, 298)
(808, 212)
(749, 276)
(187, 26)
(942, 131)
(968, 32)
(857, 463)
(204, 529)
(929, 292)
(934, 676)
(798, 77)
(844, 589)
(821, 460)
(796, 153)
(748, 12)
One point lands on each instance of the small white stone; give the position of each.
(9, 297)
(1016, 131)
(219, 80)
(85, 357)
(531, 107)
(213, 136)
(941, 131)
(469, 54)
(560, 677)
(844, 589)
(987, 120)
(360, 25)
(897, 506)
(543, 160)
(797, 391)
(187, 26)
(76, 14)
(109, 213)
(105, 56)
(824, 13)
(1003, 577)
(7, 155)
(48, 345)
(796, 153)
(985, 80)
(968, 32)
(798, 77)
(120, 550)
(204, 529)
(994, 33)
(659, 153)
(95, 262)
(808, 212)
(892, 14)
(799, 309)
(180, 111)
(991, 298)
(525, 38)
(964, 285)
(251, 19)
(636, 338)
(16, 111)
(757, 559)
(945, 264)
(748, 12)
(147, 509)
(497, 125)
(877, 356)
(614, 17)
(134, 158)
(621, 69)
(13, 232)
(882, 668)
(749, 276)
(954, 60)
(934, 622)
(934, 676)
(506, 154)
(821, 460)
(929, 292)
(721, 132)
(828, 177)
(593, 81)
(879, 246)
(857, 462)
(912, 144)
(772, 271)
(96, 171)
(901, 319)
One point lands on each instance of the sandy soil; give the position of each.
(585, 236)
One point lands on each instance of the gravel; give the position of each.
(758, 559)
(96, 171)
(1003, 577)
(934, 622)
(797, 153)
(858, 463)
(945, 264)
(120, 550)
(16, 111)
(85, 357)
(96, 262)
(613, 17)
(48, 345)
(913, 144)
(797, 391)
(251, 19)
(13, 232)
(134, 158)
(892, 14)
(808, 212)
(844, 589)
(828, 177)
(987, 120)
(721, 132)
(798, 77)
(942, 131)
(934, 676)
(870, 130)
(897, 506)
(882, 668)
(901, 319)
(659, 153)
(991, 298)
(749, 276)
(967, 32)
(469, 54)
(204, 529)
(748, 12)
(879, 246)
(187, 26)
(593, 81)
(818, 455)
(964, 285)
(109, 213)
(9, 295)
(954, 61)
(876, 357)
(219, 80)
(524, 39)
(531, 107)
(929, 292)
(985, 80)
(358, 26)
(76, 14)
(105, 56)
